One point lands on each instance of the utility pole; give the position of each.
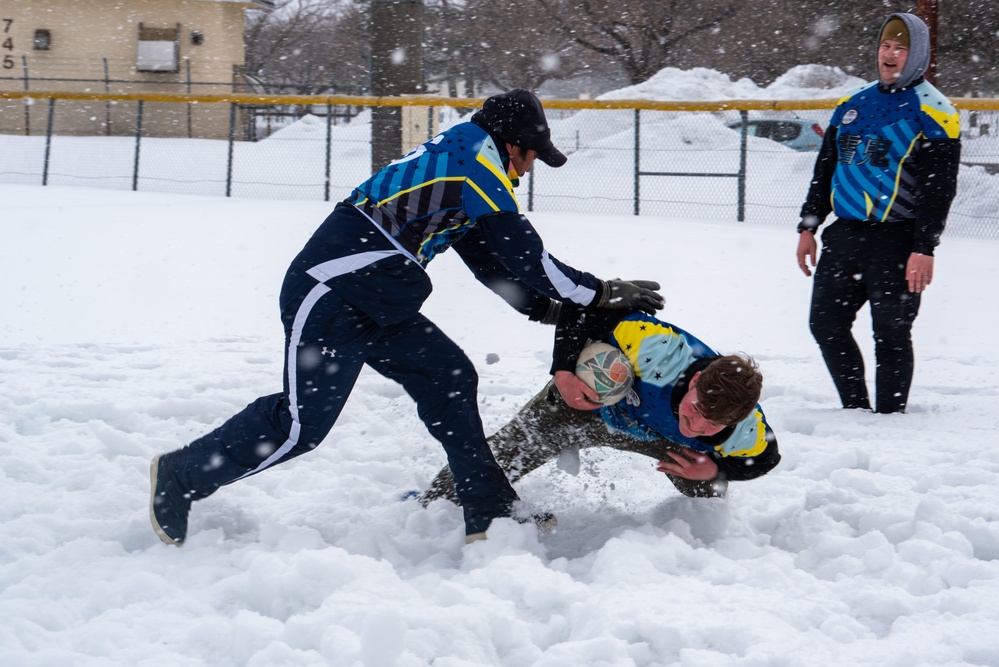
(396, 69)
(929, 11)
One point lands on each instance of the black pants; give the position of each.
(546, 427)
(865, 262)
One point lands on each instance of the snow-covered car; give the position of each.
(801, 135)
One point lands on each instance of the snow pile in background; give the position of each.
(604, 127)
(700, 84)
(813, 81)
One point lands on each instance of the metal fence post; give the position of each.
(48, 142)
(232, 135)
(190, 124)
(107, 105)
(638, 145)
(741, 213)
(329, 148)
(138, 143)
(27, 101)
(970, 223)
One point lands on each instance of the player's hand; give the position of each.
(576, 393)
(690, 465)
(631, 295)
(807, 249)
(919, 272)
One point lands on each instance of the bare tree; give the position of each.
(523, 42)
(470, 46)
(776, 35)
(482, 43)
(447, 47)
(969, 48)
(639, 35)
(308, 47)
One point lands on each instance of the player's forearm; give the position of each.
(939, 162)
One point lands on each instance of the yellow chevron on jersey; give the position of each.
(898, 175)
(482, 194)
(418, 199)
(949, 121)
(482, 159)
(415, 187)
(749, 438)
(630, 335)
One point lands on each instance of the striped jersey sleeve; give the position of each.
(426, 199)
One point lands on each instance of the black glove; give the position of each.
(546, 313)
(631, 295)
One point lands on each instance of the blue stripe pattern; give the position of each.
(876, 135)
(425, 200)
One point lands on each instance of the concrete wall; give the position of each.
(98, 41)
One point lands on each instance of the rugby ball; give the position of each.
(606, 370)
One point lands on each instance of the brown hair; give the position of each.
(728, 389)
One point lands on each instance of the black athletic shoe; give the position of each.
(168, 504)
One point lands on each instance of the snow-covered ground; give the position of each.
(135, 322)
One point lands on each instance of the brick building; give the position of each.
(122, 46)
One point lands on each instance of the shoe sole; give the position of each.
(153, 472)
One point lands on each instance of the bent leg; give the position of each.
(438, 375)
(326, 344)
(545, 427)
(537, 433)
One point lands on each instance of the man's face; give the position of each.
(522, 159)
(692, 422)
(891, 59)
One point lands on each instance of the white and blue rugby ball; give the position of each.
(606, 370)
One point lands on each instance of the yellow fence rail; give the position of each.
(963, 103)
(670, 158)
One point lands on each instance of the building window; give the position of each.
(43, 40)
(158, 49)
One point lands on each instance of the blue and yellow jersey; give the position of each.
(426, 199)
(664, 357)
(878, 137)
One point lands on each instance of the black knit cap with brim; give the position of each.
(517, 117)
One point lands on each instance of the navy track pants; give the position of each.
(339, 315)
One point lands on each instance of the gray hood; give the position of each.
(919, 49)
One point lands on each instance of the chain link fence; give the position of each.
(722, 161)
